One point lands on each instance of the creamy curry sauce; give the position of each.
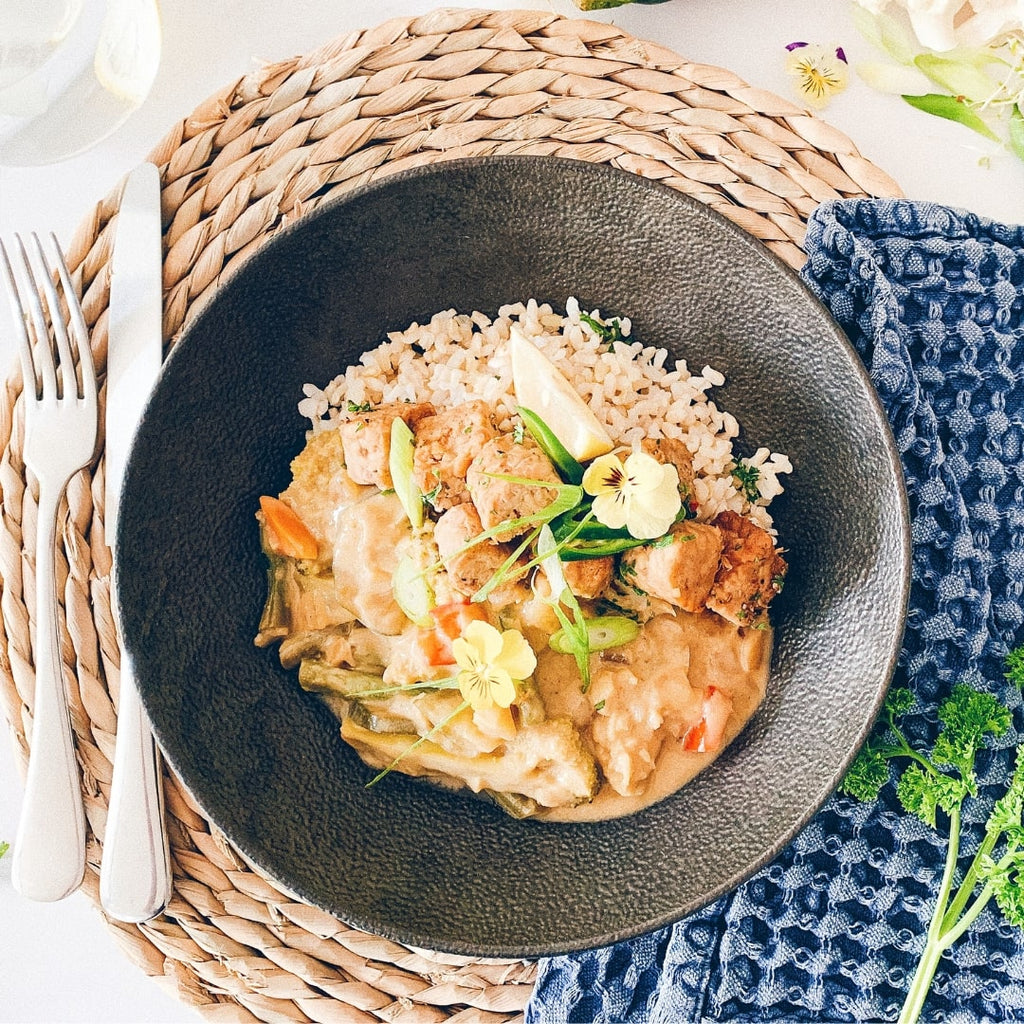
(659, 708)
(678, 656)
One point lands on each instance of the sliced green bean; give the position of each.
(570, 469)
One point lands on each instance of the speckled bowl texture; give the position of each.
(265, 760)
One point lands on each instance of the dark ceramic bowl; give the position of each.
(264, 759)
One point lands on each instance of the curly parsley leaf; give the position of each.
(866, 776)
(922, 792)
(1015, 667)
(968, 718)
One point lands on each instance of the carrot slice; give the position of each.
(449, 621)
(287, 534)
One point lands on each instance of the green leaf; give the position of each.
(922, 792)
(1006, 814)
(1015, 659)
(1005, 880)
(866, 776)
(952, 109)
(963, 77)
(609, 332)
(968, 717)
(4, 847)
(899, 701)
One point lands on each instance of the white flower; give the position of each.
(640, 494)
(946, 24)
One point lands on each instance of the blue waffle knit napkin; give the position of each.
(933, 300)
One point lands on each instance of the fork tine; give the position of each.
(63, 364)
(77, 322)
(18, 317)
(43, 351)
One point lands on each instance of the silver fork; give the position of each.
(61, 425)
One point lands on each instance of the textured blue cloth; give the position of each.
(933, 300)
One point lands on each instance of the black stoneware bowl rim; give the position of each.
(151, 444)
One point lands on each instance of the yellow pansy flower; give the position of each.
(819, 73)
(640, 494)
(490, 663)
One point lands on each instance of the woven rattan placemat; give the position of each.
(259, 154)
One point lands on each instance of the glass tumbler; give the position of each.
(71, 71)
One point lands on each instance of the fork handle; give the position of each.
(49, 848)
(135, 875)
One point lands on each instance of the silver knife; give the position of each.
(135, 872)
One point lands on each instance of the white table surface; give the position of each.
(59, 962)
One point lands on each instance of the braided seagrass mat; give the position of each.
(257, 155)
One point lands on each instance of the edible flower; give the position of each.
(820, 73)
(640, 494)
(490, 664)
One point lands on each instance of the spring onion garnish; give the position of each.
(604, 632)
(400, 465)
(574, 632)
(413, 594)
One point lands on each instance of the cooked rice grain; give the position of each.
(455, 358)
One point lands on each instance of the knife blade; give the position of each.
(135, 872)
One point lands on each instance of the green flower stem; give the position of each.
(929, 963)
(926, 968)
(950, 923)
(934, 944)
(956, 908)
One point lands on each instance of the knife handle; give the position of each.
(135, 873)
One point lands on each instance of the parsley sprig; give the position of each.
(942, 781)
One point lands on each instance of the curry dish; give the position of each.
(534, 612)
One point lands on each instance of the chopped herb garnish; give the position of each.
(360, 407)
(609, 332)
(599, 706)
(431, 496)
(518, 433)
(747, 476)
